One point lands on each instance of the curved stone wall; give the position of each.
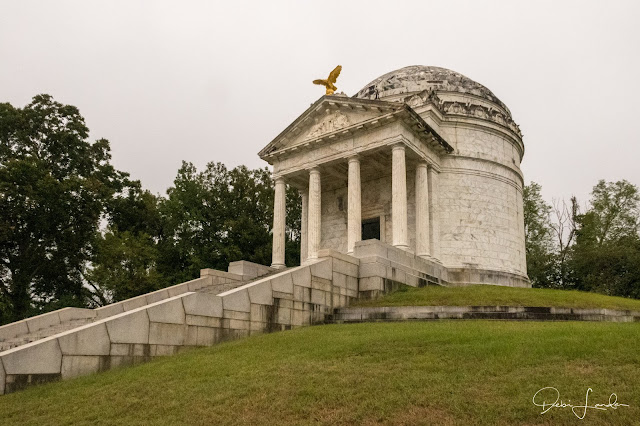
(480, 203)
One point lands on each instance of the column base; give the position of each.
(278, 265)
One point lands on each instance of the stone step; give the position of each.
(41, 334)
(221, 288)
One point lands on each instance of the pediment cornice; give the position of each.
(332, 118)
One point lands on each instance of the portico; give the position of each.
(356, 162)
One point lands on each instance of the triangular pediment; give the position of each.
(330, 117)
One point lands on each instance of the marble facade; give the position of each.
(430, 154)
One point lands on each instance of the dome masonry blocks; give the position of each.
(479, 192)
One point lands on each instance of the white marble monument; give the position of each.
(423, 159)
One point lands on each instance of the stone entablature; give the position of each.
(335, 118)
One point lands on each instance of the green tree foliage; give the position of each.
(606, 255)
(125, 256)
(219, 216)
(54, 185)
(538, 237)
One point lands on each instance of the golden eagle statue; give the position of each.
(328, 83)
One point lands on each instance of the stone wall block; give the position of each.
(302, 293)
(40, 357)
(163, 350)
(121, 349)
(204, 321)
(239, 324)
(167, 334)
(91, 339)
(134, 303)
(109, 310)
(203, 304)
(284, 316)
(129, 327)
(10, 331)
(191, 338)
(321, 284)
(168, 311)
(199, 283)
(301, 276)
(236, 300)
(43, 321)
(156, 296)
(74, 366)
(370, 248)
(260, 313)
(299, 318)
(68, 314)
(207, 336)
(283, 282)
(260, 293)
(177, 290)
(243, 316)
(322, 269)
(339, 280)
(352, 283)
(317, 297)
(345, 268)
(371, 283)
(372, 270)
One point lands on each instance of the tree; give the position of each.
(125, 257)
(606, 255)
(538, 237)
(219, 216)
(615, 209)
(564, 230)
(54, 185)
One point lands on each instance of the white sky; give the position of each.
(216, 81)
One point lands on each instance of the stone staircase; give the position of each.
(244, 272)
(23, 339)
(217, 307)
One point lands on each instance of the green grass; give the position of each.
(446, 372)
(490, 295)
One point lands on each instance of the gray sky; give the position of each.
(217, 81)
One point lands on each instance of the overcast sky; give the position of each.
(217, 81)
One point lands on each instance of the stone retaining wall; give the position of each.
(296, 297)
(406, 313)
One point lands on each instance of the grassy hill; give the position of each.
(479, 295)
(445, 372)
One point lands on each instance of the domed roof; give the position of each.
(417, 78)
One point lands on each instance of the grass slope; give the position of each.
(446, 372)
(479, 295)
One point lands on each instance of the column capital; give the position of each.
(353, 158)
(278, 179)
(398, 146)
(315, 170)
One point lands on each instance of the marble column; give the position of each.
(399, 196)
(304, 225)
(434, 224)
(422, 210)
(279, 218)
(354, 217)
(315, 189)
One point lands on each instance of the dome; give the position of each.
(417, 78)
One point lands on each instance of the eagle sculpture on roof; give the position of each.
(328, 83)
